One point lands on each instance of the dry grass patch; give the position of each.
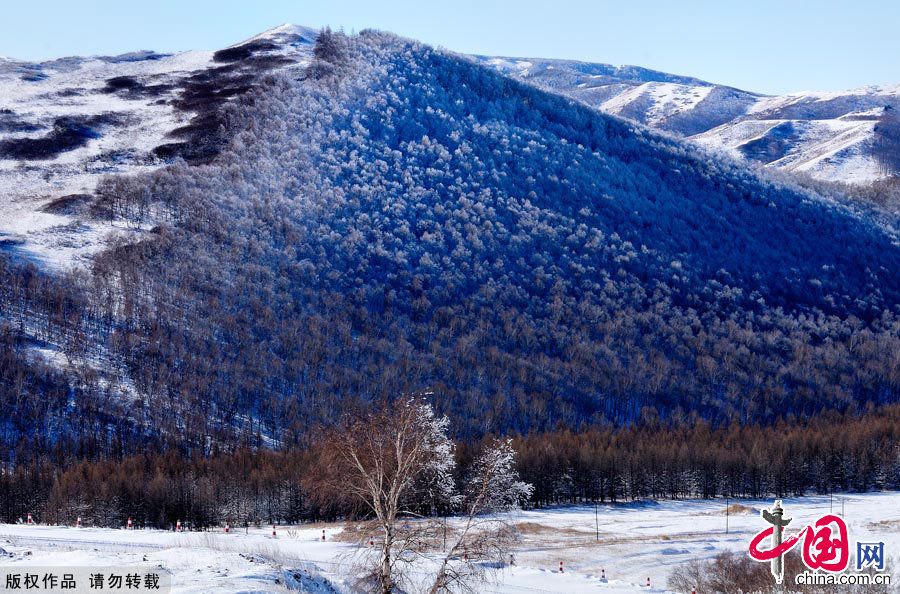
(885, 525)
(538, 529)
(353, 532)
(735, 509)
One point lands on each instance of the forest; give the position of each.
(394, 219)
(834, 453)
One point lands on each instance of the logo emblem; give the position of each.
(826, 543)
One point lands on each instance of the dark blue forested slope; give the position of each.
(394, 218)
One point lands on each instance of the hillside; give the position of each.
(392, 218)
(66, 123)
(385, 218)
(832, 137)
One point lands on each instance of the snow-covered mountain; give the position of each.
(67, 122)
(829, 136)
(366, 216)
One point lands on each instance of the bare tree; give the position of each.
(395, 462)
(397, 465)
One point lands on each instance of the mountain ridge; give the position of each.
(832, 135)
(384, 218)
(66, 123)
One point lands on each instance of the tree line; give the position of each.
(656, 460)
(831, 452)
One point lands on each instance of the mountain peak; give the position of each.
(286, 32)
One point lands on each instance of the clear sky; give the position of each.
(758, 45)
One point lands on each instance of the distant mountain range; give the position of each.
(828, 136)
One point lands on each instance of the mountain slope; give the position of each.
(66, 123)
(829, 136)
(390, 218)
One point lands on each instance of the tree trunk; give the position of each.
(384, 576)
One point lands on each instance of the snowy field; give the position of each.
(636, 541)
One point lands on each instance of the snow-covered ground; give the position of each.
(75, 88)
(636, 541)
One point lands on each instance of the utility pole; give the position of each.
(842, 507)
(726, 515)
(831, 503)
(597, 518)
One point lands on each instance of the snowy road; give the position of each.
(76, 544)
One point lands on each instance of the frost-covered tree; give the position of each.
(329, 54)
(887, 141)
(485, 534)
(392, 461)
(398, 463)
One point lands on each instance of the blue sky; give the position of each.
(764, 46)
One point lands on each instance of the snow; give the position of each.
(666, 100)
(282, 32)
(776, 101)
(75, 89)
(637, 541)
(58, 242)
(836, 145)
(836, 150)
(51, 355)
(142, 121)
(833, 149)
